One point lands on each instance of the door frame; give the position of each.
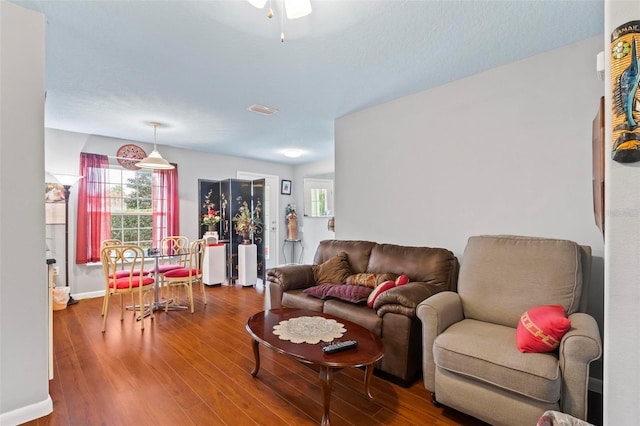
(274, 190)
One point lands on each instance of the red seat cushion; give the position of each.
(164, 268)
(124, 282)
(181, 273)
(122, 274)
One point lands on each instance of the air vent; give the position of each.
(261, 109)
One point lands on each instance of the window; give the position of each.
(318, 197)
(135, 206)
(130, 201)
(318, 202)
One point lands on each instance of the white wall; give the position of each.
(622, 259)
(192, 165)
(507, 151)
(24, 390)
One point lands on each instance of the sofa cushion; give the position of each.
(300, 300)
(357, 251)
(541, 328)
(435, 266)
(348, 293)
(359, 314)
(369, 280)
(335, 270)
(497, 270)
(488, 353)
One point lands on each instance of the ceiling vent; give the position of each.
(261, 109)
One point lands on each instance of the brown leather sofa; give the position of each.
(393, 317)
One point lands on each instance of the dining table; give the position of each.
(157, 302)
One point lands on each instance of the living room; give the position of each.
(527, 172)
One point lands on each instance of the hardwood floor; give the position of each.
(194, 369)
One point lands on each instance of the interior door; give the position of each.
(271, 216)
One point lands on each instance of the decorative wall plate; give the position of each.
(130, 151)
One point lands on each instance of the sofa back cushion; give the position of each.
(436, 266)
(358, 253)
(503, 276)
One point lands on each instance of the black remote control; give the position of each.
(339, 346)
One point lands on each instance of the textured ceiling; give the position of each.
(196, 66)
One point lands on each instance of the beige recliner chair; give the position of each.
(470, 359)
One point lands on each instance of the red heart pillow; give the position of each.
(378, 291)
(540, 329)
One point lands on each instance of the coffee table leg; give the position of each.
(326, 380)
(368, 372)
(256, 355)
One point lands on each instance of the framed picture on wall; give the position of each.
(285, 188)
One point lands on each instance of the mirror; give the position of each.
(318, 197)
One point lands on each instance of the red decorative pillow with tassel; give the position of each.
(540, 329)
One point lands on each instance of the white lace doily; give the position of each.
(309, 330)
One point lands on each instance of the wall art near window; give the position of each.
(54, 203)
(625, 77)
(128, 155)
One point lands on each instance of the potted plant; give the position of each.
(246, 222)
(212, 217)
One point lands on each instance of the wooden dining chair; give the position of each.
(190, 274)
(175, 248)
(122, 265)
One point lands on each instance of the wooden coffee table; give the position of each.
(369, 350)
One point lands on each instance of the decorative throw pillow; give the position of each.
(369, 280)
(348, 293)
(334, 270)
(540, 329)
(378, 291)
(402, 280)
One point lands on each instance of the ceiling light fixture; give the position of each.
(154, 160)
(292, 153)
(295, 9)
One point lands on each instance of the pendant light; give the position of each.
(154, 160)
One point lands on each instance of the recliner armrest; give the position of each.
(437, 313)
(578, 348)
(403, 299)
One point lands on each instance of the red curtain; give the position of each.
(165, 204)
(94, 217)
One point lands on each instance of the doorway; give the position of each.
(271, 222)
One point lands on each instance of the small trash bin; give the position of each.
(60, 297)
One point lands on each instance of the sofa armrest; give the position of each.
(437, 313)
(578, 348)
(291, 277)
(285, 278)
(403, 299)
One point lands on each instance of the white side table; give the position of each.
(247, 265)
(214, 268)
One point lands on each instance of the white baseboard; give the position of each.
(28, 413)
(595, 385)
(88, 295)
